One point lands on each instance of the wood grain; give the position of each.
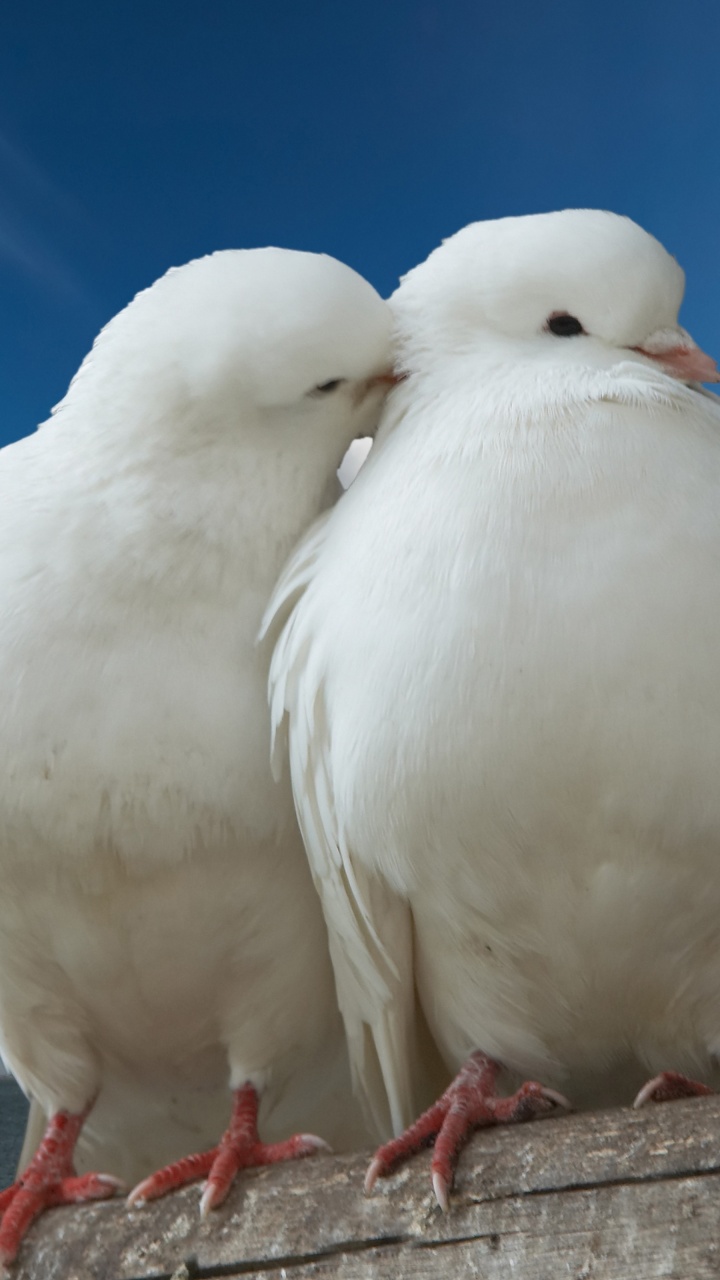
(614, 1195)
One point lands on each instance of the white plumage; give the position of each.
(500, 675)
(159, 932)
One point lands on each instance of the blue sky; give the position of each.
(135, 136)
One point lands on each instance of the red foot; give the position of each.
(469, 1103)
(239, 1148)
(49, 1180)
(668, 1087)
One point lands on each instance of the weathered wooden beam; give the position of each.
(614, 1195)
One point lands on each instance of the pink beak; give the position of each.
(383, 381)
(389, 379)
(677, 354)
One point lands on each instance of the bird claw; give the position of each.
(141, 1193)
(91, 1186)
(669, 1086)
(530, 1101)
(49, 1181)
(239, 1148)
(374, 1171)
(312, 1145)
(442, 1191)
(469, 1103)
(560, 1100)
(208, 1200)
(28, 1202)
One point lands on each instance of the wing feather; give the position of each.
(369, 926)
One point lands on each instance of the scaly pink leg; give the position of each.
(49, 1180)
(469, 1103)
(239, 1148)
(668, 1087)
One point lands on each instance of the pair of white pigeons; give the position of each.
(494, 701)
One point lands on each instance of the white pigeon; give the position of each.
(500, 679)
(160, 937)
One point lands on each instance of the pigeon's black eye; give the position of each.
(331, 385)
(563, 325)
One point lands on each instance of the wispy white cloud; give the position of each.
(29, 200)
(19, 164)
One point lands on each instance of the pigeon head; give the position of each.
(580, 288)
(244, 340)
